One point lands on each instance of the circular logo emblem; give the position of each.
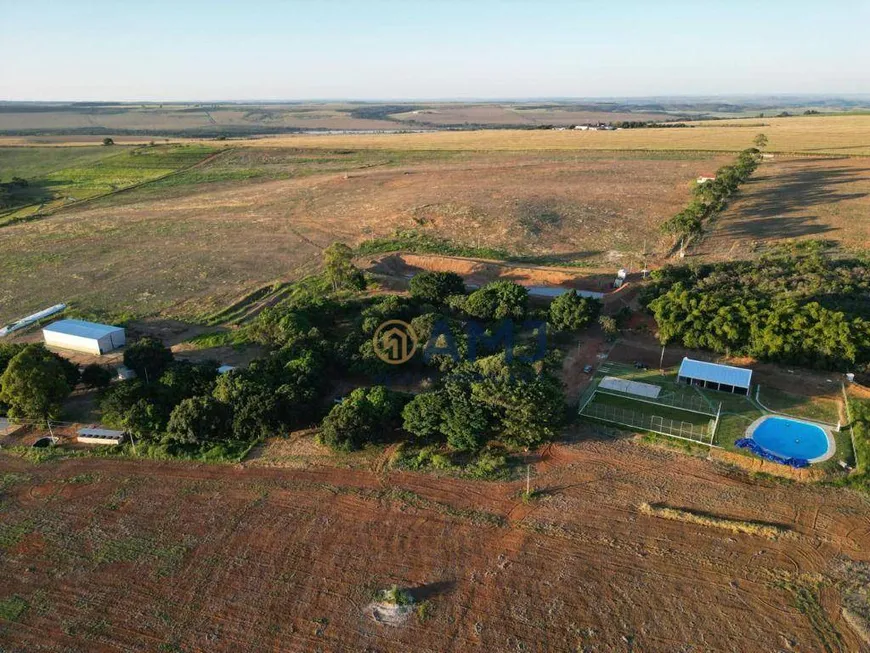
(395, 342)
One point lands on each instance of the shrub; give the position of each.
(96, 376)
(436, 287)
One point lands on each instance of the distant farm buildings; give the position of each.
(703, 179)
(85, 337)
(715, 376)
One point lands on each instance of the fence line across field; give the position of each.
(653, 423)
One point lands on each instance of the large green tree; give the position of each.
(497, 301)
(424, 415)
(366, 415)
(198, 421)
(340, 270)
(148, 357)
(571, 312)
(34, 384)
(436, 287)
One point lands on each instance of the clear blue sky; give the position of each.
(387, 49)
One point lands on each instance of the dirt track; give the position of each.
(135, 555)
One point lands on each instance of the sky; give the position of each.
(128, 50)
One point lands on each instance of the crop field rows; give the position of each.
(169, 555)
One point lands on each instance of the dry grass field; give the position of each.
(101, 554)
(262, 209)
(794, 199)
(495, 114)
(200, 239)
(811, 134)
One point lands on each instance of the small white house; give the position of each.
(703, 179)
(86, 337)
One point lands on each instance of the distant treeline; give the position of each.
(648, 124)
(796, 308)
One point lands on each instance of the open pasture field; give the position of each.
(198, 240)
(810, 134)
(795, 199)
(458, 114)
(101, 553)
(57, 177)
(180, 119)
(240, 118)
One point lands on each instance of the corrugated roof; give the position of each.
(716, 373)
(81, 328)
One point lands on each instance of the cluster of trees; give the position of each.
(803, 309)
(483, 394)
(489, 399)
(34, 382)
(710, 197)
(648, 124)
(187, 406)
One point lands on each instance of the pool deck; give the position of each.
(832, 446)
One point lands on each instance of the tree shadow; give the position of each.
(780, 211)
(431, 590)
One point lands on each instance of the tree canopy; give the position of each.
(34, 384)
(571, 312)
(340, 270)
(148, 358)
(436, 287)
(805, 310)
(497, 301)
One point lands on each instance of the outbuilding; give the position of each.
(715, 376)
(86, 337)
(94, 435)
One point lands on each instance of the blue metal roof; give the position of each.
(716, 373)
(81, 328)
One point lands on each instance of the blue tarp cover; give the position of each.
(749, 443)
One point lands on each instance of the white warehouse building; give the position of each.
(86, 337)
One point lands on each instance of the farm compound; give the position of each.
(86, 337)
(715, 376)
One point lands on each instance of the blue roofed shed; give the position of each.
(715, 376)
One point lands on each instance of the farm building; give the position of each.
(703, 179)
(92, 435)
(715, 376)
(87, 337)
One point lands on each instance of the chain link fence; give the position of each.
(702, 433)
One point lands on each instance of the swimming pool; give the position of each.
(792, 438)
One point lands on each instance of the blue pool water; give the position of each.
(790, 438)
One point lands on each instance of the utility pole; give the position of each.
(528, 481)
(662, 360)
